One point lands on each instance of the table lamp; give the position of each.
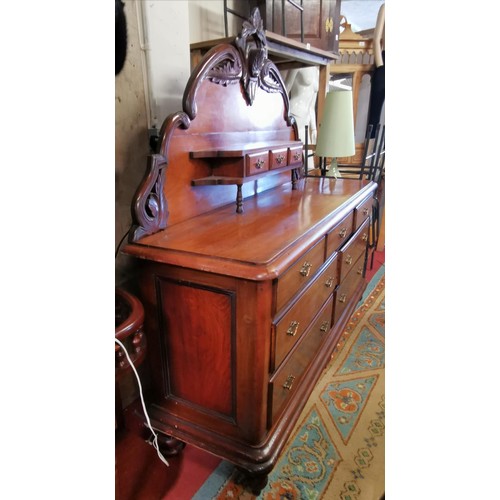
(336, 130)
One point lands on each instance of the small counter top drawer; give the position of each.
(299, 274)
(339, 234)
(283, 383)
(353, 249)
(289, 328)
(278, 158)
(294, 155)
(346, 289)
(257, 163)
(362, 211)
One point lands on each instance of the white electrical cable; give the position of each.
(155, 440)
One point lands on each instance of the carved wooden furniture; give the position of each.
(320, 21)
(129, 322)
(242, 310)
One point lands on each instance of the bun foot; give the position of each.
(254, 483)
(170, 446)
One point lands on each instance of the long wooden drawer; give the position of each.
(291, 325)
(362, 211)
(299, 274)
(351, 251)
(287, 378)
(346, 289)
(339, 234)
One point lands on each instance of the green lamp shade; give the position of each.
(336, 130)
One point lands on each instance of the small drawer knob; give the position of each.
(364, 237)
(343, 298)
(288, 382)
(329, 282)
(296, 156)
(280, 159)
(293, 329)
(343, 232)
(360, 270)
(348, 260)
(365, 211)
(324, 326)
(259, 163)
(306, 268)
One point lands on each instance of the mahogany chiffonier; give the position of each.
(248, 271)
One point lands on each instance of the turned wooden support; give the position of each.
(239, 200)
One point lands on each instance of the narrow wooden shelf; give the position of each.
(237, 163)
(240, 150)
(216, 180)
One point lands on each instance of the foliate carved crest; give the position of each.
(271, 78)
(245, 60)
(252, 45)
(246, 63)
(226, 72)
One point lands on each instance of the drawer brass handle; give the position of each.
(348, 260)
(343, 232)
(324, 326)
(293, 328)
(288, 382)
(259, 163)
(279, 159)
(360, 270)
(297, 156)
(365, 211)
(306, 268)
(364, 237)
(329, 282)
(343, 298)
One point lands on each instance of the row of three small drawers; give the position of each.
(273, 159)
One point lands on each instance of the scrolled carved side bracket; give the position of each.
(149, 211)
(150, 207)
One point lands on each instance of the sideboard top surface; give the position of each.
(276, 225)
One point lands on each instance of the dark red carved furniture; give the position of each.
(242, 310)
(129, 322)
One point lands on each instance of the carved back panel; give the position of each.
(235, 95)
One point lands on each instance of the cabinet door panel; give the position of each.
(321, 22)
(196, 326)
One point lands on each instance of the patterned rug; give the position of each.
(337, 450)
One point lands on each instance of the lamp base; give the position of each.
(332, 171)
